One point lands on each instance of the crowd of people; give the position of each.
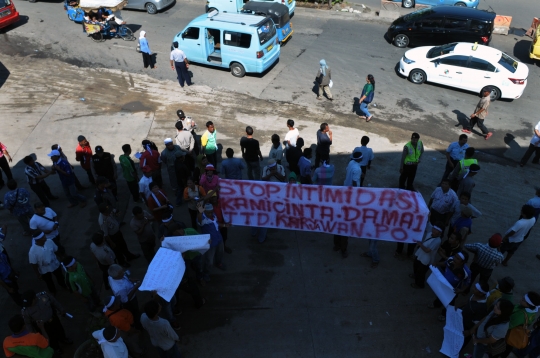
(491, 317)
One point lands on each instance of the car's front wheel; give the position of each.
(151, 8)
(401, 40)
(417, 76)
(237, 70)
(495, 93)
(407, 3)
(462, 4)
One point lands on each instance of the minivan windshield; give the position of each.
(266, 31)
(508, 62)
(417, 14)
(441, 50)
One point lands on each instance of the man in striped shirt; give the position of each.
(36, 174)
(324, 174)
(486, 257)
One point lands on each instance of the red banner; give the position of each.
(371, 213)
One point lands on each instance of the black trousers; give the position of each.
(224, 231)
(4, 165)
(121, 250)
(320, 157)
(148, 60)
(133, 187)
(105, 275)
(484, 273)
(133, 307)
(363, 175)
(407, 176)
(193, 216)
(341, 242)
(55, 331)
(43, 192)
(532, 149)
(48, 279)
(90, 176)
(420, 271)
(148, 249)
(15, 295)
(157, 178)
(183, 74)
(478, 122)
(448, 169)
(212, 159)
(189, 284)
(410, 248)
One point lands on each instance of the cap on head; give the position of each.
(54, 153)
(495, 240)
(271, 163)
(357, 156)
(209, 167)
(167, 141)
(81, 138)
(98, 148)
(180, 114)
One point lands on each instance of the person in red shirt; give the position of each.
(24, 343)
(157, 202)
(223, 229)
(83, 154)
(151, 158)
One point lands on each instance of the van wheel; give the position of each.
(462, 4)
(212, 9)
(495, 92)
(407, 4)
(417, 76)
(238, 70)
(151, 8)
(401, 40)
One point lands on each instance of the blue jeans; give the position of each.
(72, 194)
(259, 232)
(363, 108)
(174, 352)
(373, 252)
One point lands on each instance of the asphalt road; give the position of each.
(351, 48)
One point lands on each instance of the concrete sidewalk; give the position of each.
(289, 297)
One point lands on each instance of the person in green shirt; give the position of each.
(524, 314)
(209, 143)
(366, 97)
(80, 283)
(129, 171)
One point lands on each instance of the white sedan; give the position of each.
(467, 66)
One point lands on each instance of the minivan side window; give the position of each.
(460, 61)
(455, 24)
(434, 22)
(237, 39)
(192, 33)
(482, 65)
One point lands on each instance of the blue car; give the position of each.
(465, 3)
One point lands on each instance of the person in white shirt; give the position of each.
(179, 62)
(111, 343)
(534, 147)
(144, 183)
(367, 157)
(273, 172)
(292, 135)
(426, 254)
(43, 259)
(161, 333)
(276, 152)
(46, 220)
(125, 289)
(516, 234)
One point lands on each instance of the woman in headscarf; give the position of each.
(366, 97)
(324, 76)
(148, 58)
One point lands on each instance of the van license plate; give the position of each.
(269, 48)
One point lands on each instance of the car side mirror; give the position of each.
(436, 63)
(183, 35)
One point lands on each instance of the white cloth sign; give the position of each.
(185, 243)
(453, 333)
(372, 213)
(440, 285)
(164, 273)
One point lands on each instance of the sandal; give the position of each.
(488, 135)
(369, 118)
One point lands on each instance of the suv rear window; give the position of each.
(508, 62)
(266, 31)
(237, 39)
(441, 50)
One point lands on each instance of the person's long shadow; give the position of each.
(510, 141)
(356, 106)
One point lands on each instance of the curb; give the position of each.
(333, 14)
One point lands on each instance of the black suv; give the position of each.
(442, 24)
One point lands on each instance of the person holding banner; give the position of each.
(367, 157)
(475, 309)
(410, 158)
(209, 225)
(304, 166)
(425, 256)
(273, 172)
(209, 181)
